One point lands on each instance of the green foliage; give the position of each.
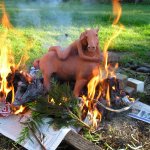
(25, 133)
(93, 137)
(60, 105)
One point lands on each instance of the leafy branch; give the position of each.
(60, 105)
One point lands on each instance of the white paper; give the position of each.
(141, 112)
(11, 128)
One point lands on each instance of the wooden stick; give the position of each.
(75, 117)
(32, 131)
(79, 143)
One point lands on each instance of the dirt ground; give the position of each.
(123, 132)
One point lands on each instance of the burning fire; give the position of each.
(20, 110)
(5, 19)
(6, 59)
(99, 87)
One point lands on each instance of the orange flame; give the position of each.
(108, 96)
(98, 85)
(5, 55)
(20, 110)
(92, 86)
(96, 117)
(5, 19)
(5, 63)
(6, 58)
(117, 11)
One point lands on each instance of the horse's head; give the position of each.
(90, 39)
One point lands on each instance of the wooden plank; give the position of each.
(79, 143)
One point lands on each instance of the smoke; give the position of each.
(27, 16)
(38, 13)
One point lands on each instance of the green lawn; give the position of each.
(41, 25)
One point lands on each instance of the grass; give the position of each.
(41, 25)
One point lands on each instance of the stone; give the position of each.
(136, 84)
(143, 69)
(122, 79)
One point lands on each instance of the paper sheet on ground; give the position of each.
(141, 112)
(11, 128)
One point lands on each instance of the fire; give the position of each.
(117, 11)
(92, 86)
(20, 110)
(96, 117)
(108, 96)
(6, 59)
(99, 86)
(5, 19)
(5, 56)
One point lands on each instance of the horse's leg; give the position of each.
(62, 54)
(65, 53)
(80, 83)
(47, 84)
(54, 48)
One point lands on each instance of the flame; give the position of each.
(96, 117)
(98, 86)
(51, 100)
(117, 11)
(114, 88)
(5, 18)
(108, 96)
(6, 59)
(92, 86)
(20, 110)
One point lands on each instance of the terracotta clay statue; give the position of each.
(88, 41)
(78, 62)
(73, 68)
